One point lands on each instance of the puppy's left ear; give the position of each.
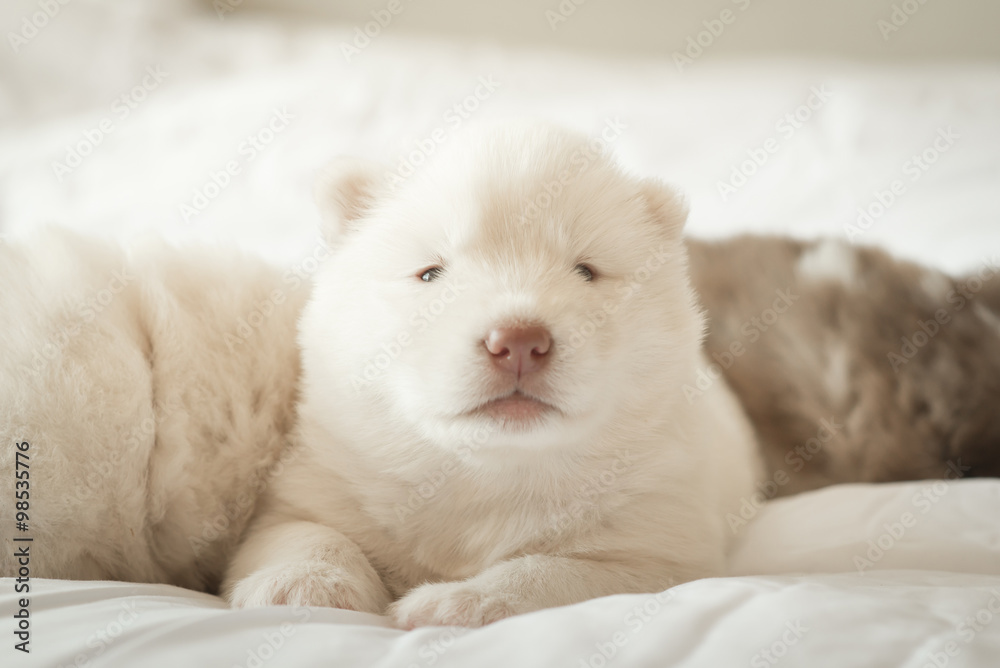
(345, 192)
(666, 205)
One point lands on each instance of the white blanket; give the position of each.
(867, 588)
(892, 575)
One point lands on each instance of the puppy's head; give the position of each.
(520, 282)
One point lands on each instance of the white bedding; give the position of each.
(933, 594)
(801, 591)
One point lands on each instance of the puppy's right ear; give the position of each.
(346, 190)
(667, 206)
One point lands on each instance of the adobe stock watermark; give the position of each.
(238, 509)
(751, 330)
(635, 620)
(773, 653)
(923, 501)
(121, 109)
(296, 276)
(34, 23)
(248, 150)
(578, 163)
(273, 640)
(972, 625)
(248, 325)
(94, 475)
(562, 12)
(420, 319)
(101, 640)
(223, 7)
(454, 117)
(703, 40)
(626, 288)
(796, 458)
(899, 17)
(433, 649)
(363, 35)
(425, 490)
(914, 168)
(786, 127)
(587, 496)
(87, 312)
(957, 298)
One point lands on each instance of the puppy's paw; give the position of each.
(310, 583)
(450, 604)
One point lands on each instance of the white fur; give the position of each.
(155, 425)
(830, 260)
(148, 436)
(399, 494)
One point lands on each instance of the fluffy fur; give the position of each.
(150, 422)
(403, 490)
(878, 370)
(172, 438)
(159, 391)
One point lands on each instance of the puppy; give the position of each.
(491, 416)
(146, 397)
(503, 404)
(852, 365)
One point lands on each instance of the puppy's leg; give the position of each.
(522, 585)
(284, 562)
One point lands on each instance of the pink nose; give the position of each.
(519, 350)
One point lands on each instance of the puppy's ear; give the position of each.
(345, 191)
(666, 205)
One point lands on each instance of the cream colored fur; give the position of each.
(394, 494)
(148, 430)
(398, 494)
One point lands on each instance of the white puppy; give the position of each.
(491, 417)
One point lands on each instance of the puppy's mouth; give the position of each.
(515, 408)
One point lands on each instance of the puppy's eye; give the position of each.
(585, 271)
(429, 274)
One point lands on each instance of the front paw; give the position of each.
(309, 583)
(450, 604)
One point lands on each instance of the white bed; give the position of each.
(932, 595)
(809, 590)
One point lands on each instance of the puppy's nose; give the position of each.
(519, 350)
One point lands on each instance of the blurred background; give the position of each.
(876, 121)
(946, 29)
